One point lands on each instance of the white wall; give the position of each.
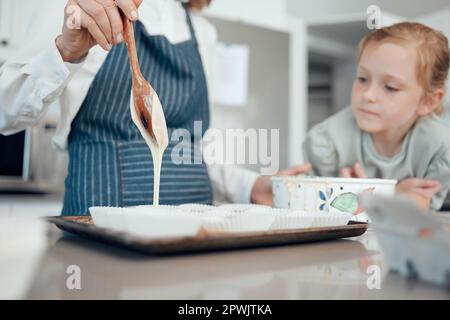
(319, 8)
(262, 13)
(270, 74)
(274, 11)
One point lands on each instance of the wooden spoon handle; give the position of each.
(131, 46)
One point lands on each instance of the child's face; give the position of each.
(386, 93)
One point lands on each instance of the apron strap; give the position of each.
(189, 21)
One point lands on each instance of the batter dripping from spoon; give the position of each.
(146, 111)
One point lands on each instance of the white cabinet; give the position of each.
(12, 26)
(269, 14)
(15, 18)
(6, 30)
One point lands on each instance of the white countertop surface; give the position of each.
(328, 270)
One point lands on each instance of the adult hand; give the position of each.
(91, 22)
(262, 189)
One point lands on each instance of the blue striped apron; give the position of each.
(109, 162)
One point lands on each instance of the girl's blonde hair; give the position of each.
(432, 51)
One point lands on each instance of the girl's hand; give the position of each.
(421, 190)
(356, 171)
(91, 22)
(262, 189)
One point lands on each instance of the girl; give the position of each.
(392, 129)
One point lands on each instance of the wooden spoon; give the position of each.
(146, 109)
(143, 92)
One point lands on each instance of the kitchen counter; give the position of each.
(328, 270)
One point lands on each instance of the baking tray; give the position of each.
(204, 242)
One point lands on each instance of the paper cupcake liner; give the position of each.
(223, 221)
(123, 219)
(174, 221)
(324, 219)
(237, 207)
(220, 213)
(163, 226)
(109, 217)
(160, 211)
(164, 221)
(150, 209)
(99, 216)
(291, 219)
(196, 209)
(214, 223)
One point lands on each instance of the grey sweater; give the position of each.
(337, 142)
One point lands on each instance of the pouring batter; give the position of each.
(146, 110)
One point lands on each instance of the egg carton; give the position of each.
(416, 244)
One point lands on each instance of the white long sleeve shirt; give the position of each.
(36, 79)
